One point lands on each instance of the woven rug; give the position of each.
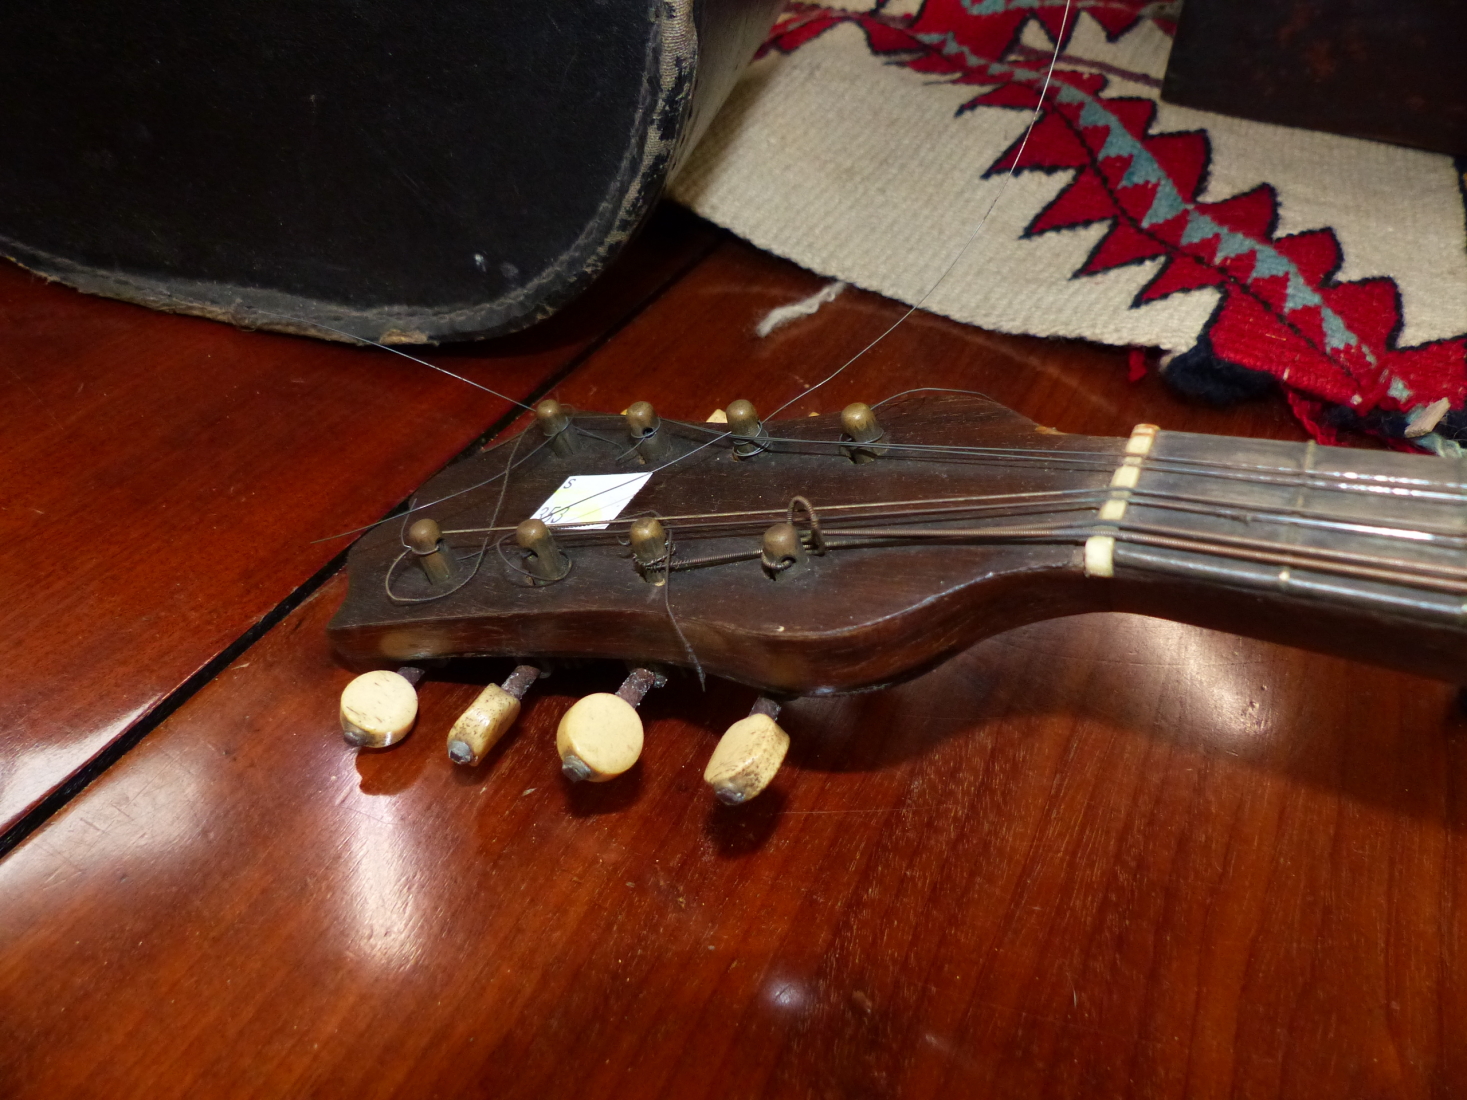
(868, 142)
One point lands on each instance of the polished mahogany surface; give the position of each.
(163, 482)
(1106, 856)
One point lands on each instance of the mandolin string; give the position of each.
(1212, 541)
(930, 389)
(449, 496)
(1319, 480)
(1314, 557)
(368, 341)
(1441, 578)
(1352, 480)
(1401, 570)
(1320, 558)
(1366, 566)
(1395, 571)
(1244, 510)
(672, 618)
(504, 481)
(1369, 567)
(890, 508)
(1107, 460)
(1176, 464)
(478, 558)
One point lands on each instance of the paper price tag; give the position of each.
(589, 502)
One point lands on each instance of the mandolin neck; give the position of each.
(1358, 553)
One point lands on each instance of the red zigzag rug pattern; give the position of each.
(1331, 345)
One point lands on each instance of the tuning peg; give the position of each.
(489, 717)
(750, 436)
(860, 426)
(425, 540)
(555, 424)
(748, 755)
(649, 549)
(545, 561)
(601, 735)
(782, 552)
(645, 428)
(378, 708)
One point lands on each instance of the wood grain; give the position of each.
(1108, 856)
(164, 482)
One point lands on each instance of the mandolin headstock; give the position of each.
(786, 555)
(839, 553)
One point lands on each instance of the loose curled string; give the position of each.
(672, 618)
(478, 558)
(817, 537)
(392, 569)
(535, 580)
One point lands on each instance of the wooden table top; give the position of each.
(206, 469)
(1107, 856)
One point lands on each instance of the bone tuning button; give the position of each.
(601, 735)
(489, 717)
(378, 708)
(747, 756)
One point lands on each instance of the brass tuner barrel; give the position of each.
(650, 549)
(744, 425)
(545, 559)
(645, 428)
(425, 540)
(860, 425)
(783, 552)
(555, 425)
